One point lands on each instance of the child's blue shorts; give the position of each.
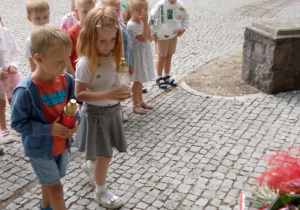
(50, 170)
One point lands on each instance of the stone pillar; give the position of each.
(272, 56)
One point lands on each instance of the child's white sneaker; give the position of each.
(108, 200)
(5, 136)
(89, 172)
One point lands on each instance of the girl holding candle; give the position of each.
(99, 49)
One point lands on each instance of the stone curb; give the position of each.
(187, 88)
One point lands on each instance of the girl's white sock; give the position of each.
(103, 193)
(101, 188)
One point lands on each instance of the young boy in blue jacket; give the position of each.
(37, 103)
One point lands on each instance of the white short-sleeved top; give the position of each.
(9, 50)
(102, 80)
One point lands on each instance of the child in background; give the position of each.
(120, 11)
(36, 106)
(69, 19)
(9, 62)
(82, 7)
(168, 20)
(140, 46)
(38, 13)
(99, 49)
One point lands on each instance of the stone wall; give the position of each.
(272, 56)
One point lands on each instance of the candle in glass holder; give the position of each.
(122, 74)
(68, 116)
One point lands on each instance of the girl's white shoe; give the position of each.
(5, 136)
(108, 200)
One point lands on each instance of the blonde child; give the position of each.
(38, 13)
(37, 104)
(69, 19)
(88, 166)
(82, 7)
(120, 9)
(99, 49)
(168, 20)
(140, 46)
(9, 62)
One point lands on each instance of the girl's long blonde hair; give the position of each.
(86, 43)
(132, 4)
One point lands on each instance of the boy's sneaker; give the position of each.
(5, 136)
(89, 172)
(49, 207)
(108, 200)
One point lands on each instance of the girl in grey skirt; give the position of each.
(99, 48)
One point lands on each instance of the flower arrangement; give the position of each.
(279, 186)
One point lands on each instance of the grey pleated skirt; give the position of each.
(100, 130)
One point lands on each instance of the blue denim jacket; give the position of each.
(127, 52)
(27, 117)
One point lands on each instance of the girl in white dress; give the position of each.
(140, 46)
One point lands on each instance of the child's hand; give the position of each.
(4, 74)
(155, 38)
(12, 70)
(144, 16)
(130, 70)
(73, 130)
(119, 93)
(59, 130)
(180, 32)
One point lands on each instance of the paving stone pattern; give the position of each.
(265, 8)
(193, 151)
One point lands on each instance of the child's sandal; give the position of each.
(170, 81)
(146, 106)
(161, 83)
(138, 109)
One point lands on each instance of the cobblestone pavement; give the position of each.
(192, 151)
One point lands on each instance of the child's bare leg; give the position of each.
(160, 65)
(103, 195)
(45, 197)
(101, 167)
(159, 69)
(140, 92)
(137, 97)
(167, 68)
(2, 114)
(167, 65)
(56, 196)
(135, 93)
